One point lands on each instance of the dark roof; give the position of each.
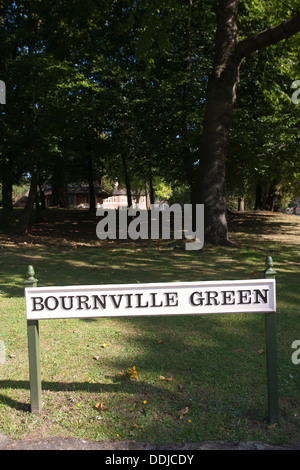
(121, 191)
(84, 189)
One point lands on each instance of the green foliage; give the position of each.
(89, 87)
(264, 141)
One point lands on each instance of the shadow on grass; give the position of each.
(119, 385)
(209, 405)
(64, 250)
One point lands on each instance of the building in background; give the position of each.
(79, 197)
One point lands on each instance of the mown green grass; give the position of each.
(216, 363)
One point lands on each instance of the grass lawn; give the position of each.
(212, 367)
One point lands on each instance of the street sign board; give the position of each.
(175, 298)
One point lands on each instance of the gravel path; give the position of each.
(57, 443)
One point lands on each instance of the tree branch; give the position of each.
(268, 37)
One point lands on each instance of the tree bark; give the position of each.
(27, 211)
(151, 189)
(221, 96)
(7, 184)
(127, 180)
(59, 187)
(220, 100)
(91, 181)
(241, 204)
(261, 194)
(42, 197)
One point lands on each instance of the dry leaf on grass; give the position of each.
(161, 377)
(132, 373)
(104, 345)
(99, 406)
(183, 412)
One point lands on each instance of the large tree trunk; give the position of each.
(267, 196)
(151, 189)
(221, 97)
(7, 184)
(127, 180)
(27, 211)
(59, 187)
(91, 181)
(261, 194)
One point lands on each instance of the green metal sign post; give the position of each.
(34, 353)
(271, 352)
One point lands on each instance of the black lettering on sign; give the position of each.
(70, 302)
(139, 297)
(259, 295)
(51, 302)
(154, 304)
(228, 297)
(37, 304)
(196, 298)
(212, 296)
(99, 301)
(115, 302)
(83, 300)
(244, 296)
(128, 297)
(171, 299)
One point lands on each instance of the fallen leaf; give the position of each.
(183, 412)
(160, 341)
(161, 377)
(132, 373)
(104, 345)
(260, 351)
(99, 406)
(272, 426)
(96, 358)
(120, 373)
